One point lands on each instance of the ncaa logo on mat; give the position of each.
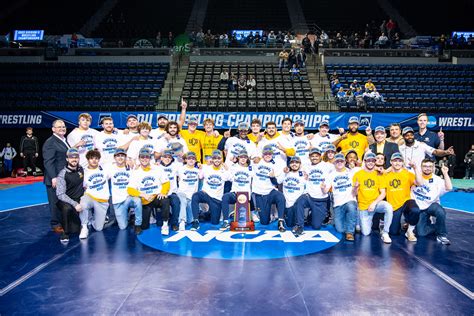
(210, 242)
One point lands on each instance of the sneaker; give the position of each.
(349, 236)
(174, 227)
(165, 230)
(64, 238)
(281, 225)
(84, 232)
(357, 229)
(225, 225)
(411, 236)
(57, 229)
(195, 225)
(405, 226)
(255, 217)
(182, 226)
(386, 238)
(444, 240)
(138, 229)
(297, 230)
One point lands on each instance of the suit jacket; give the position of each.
(388, 149)
(54, 154)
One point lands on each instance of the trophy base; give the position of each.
(249, 226)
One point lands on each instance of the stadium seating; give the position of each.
(81, 86)
(274, 91)
(413, 88)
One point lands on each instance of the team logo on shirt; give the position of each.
(354, 144)
(395, 183)
(369, 183)
(266, 242)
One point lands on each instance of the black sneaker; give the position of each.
(225, 225)
(64, 238)
(174, 227)
(281, 225)
(297, 230)
(195, 225)
(138, 229)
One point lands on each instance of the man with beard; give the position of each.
(301, 143)
(370, 190)
(427, 195)
(83, 137)
(414, 152)
(107, 141)
(159, 132)
(323, 137)
(69, 190)
(172, 141)
(315, 198)
(354, 139)
(381, 145)
(234, 145)
(275, 140)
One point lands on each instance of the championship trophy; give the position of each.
(242, 219)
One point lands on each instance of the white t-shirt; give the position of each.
(279, 156)
(172, 173)
(341, 184)
(148, 181)
(294, 184)
(234, 145)
(428, 193)
(261, 183)
(415, 153)
(88, 137)
(214, 180)
(162, 144)
(107, 144)
(125, 138)
(241, 178)
(119, 180)
(316, 175)
(157, 133)
(188, 180)
(321, 142)
(302, 144)
(96, 183)
(135, 146)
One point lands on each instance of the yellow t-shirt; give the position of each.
(209, 144)
(398, 185)
(370, 184)
(369, 86)
(194, 141)
(357, 142)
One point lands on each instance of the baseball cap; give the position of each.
(396, 156)
(72, 152)
(168, 152)
(132, 116)
(120, 151)
(192, 120)
(295, 158)
(330, 147)
(407, 129)
(299, 122)
(267, 149)
(369, 155)
(243, 153)
(324, 122)
(216, 153)
(162, 116)
(380, 129)
(243, 126)
(190, 154)
(314, 150)
(353, 119)
(145, 152)
(339, 156)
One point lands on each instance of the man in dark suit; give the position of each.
(54, 154)
(382, 146)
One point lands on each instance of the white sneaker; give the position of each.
(84, 232)
(410, 236)
(255, 217)
(152, 219)
(182, 226)
(386, 238)
(165, 230)
(357, 229)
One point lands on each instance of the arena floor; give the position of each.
(114, 273)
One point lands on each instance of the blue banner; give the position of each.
(226, 120)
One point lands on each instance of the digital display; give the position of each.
(28, 35)
(242, 34)
(465, 34)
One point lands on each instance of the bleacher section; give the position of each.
(275, 91)
(412, 88)
(81, 86)
(223, 16)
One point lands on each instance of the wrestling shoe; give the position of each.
(225, 225)
(195, 225)
(64, 238)
(444, 240)
(255, 217)
(182, 225)
(297, 230)
(386, 238)
(84, 232)
(165, 230)
(411, 236)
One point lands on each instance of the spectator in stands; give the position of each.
(291, 58)
(200, 38)
(324, 38)
(250, 40)
(306, 44)
(29, 150)
(359, 98)
(383, 27)
(366, 40)
(271, 40)
(158, 39)
(335, 86)
(251, 83)
(74, 39)
(391, 26)
(282, 59)
(242, 83)
(301, 58)
(369, 85)
(224, 76)
(333, 77)
(349, 97)
(354, 85)
(170, 40)
(295, 72)
(376, 96)
(469, 161)
(341, 94)
(8, 153)
(232, 82)
(382, 41)
(339, 41)
(395, 41)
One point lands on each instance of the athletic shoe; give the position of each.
(195, 225)
(411, 236)
(255, 217)
(225, 225)
(357, 229)
(138, 229)
(182, 226)
(281, 225)
(165, 230)
(349, 236)
(297, 230)
(64, 238)
(84, 232)
(444, 240)
(386, 238)
(174, 227)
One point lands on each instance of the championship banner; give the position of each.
(230, 120)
